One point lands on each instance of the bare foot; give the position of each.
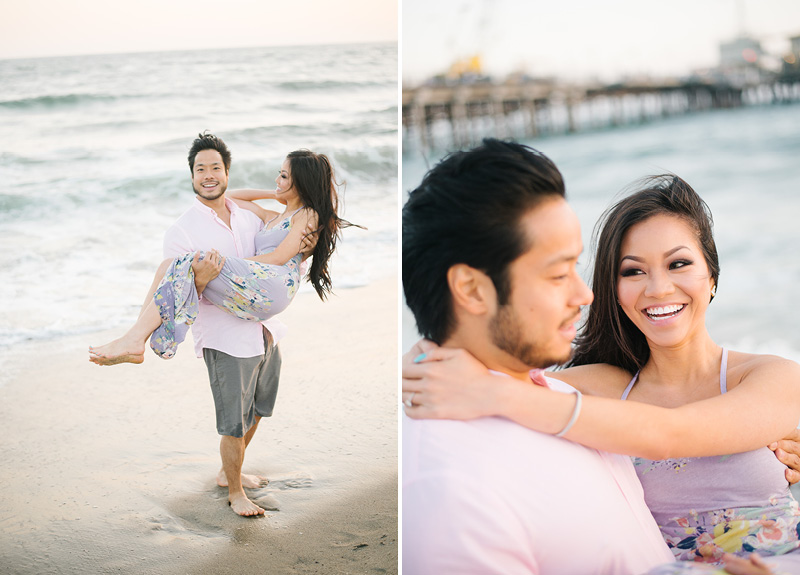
(243, 506)
(118, 351)
(248, 481)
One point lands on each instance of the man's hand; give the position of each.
(751, 565)
(206, 269)
(787, 450)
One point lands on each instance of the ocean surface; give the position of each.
(93, 161)
(744, 162)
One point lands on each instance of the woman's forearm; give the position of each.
(251, 194)
(710, 427)
(270, 258)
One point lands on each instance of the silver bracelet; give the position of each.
(575, 413)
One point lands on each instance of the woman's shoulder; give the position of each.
(757, 366)
(599, 379)
(303, 215)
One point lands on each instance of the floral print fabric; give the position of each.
(249, 290)
(769, 528)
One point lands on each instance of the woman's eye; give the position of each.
(679, 264)
(630, 272)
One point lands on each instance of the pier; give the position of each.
(443, 114)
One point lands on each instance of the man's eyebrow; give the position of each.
(561, 258)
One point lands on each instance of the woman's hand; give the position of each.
(445, 383)
(752, 565)
(206, 269)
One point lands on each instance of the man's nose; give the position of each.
(583, 294)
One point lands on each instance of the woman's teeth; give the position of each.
(663, 312)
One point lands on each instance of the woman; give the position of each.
(645, 339)
(254, 288)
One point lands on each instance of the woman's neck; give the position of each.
(293, 205)
(683, 365)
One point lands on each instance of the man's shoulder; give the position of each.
(189, 214)
(489, 439)
(493, 447)
(466, 432)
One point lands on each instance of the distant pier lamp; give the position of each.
(749, 55)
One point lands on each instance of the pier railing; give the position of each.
(447, 115)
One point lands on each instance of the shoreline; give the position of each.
(111, 469)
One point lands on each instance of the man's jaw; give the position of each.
(203, 192)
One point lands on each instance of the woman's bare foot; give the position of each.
(243, 506)
(248, 481)
(120, 350)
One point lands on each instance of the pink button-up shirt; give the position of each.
(199, 228)
(490, 496)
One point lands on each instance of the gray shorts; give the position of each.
(243, 388)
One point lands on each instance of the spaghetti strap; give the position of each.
(723, 376)
(289, 217)
(723, 372)
(630, 386)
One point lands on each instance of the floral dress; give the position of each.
(708, 506)
(249, 290)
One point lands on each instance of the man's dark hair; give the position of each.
(207, 141)
(468, 210)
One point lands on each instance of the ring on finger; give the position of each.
(407, 402)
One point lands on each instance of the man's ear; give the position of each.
(471, 289)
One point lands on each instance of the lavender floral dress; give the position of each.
(249, 290)
(708, 506)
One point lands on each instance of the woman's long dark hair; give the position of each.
(608, 335)
(313, 178)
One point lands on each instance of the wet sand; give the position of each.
(111, 469)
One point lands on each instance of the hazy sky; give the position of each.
(585, 38)
(32, 28)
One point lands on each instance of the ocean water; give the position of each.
(744, 162)
(93, 160)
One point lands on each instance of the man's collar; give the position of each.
(536, 375)
(230, 204)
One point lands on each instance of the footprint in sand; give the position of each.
(295, 483)
(268, 503)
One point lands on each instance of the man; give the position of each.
(490, 248)
(242, 357)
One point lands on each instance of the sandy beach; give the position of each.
(111, 469)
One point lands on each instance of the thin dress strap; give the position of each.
(723, 376)
(723, 372)
(630, 386)
(290, 216)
